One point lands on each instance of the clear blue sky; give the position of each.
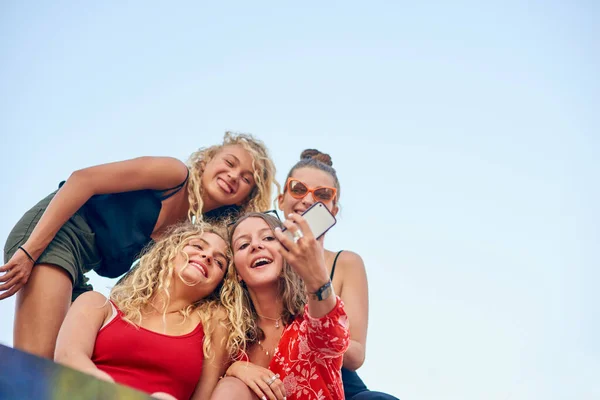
(466, 137)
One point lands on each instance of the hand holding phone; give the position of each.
(307, 257)
(319, 219)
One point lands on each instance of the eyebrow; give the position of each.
(251, 173)
(217, 253)
(232, 155)
(246, 236)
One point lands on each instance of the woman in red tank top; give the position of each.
(289, 330)
(160, 332)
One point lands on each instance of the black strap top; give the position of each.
(334, 262)
(123, 223)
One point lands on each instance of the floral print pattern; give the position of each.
(309, 355)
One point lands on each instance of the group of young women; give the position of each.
(221, 304)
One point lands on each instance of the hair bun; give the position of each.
(313, 154)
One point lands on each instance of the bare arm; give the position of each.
(326, 320)
(319, 308)
(123, 176)
(77, 335)
(215, 364)
(354, 293)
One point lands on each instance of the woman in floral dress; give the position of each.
(288, 329)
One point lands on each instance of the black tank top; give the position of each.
(352, 382)
(123, 223)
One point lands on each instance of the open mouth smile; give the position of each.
(200, 268)
(261, 262)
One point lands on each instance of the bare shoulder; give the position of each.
(220, 314)
(213, 314)
(146, 172)
(92, 302)
(91, 298)
(350, 260)
(166, 163)
(164, 160)
(220, 317)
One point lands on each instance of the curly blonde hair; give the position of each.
(264, 173)
(152, 278)
(241, 314)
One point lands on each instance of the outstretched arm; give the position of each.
(123, 176)
(77, 335)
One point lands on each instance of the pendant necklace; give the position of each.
(277, 325)
(267, 352)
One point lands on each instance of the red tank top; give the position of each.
(150, 361)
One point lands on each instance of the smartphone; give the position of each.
(319, 218)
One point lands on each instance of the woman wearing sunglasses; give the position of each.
(314, 179)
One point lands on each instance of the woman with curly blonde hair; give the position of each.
(103, 216)
(161, 331)
(288, 331)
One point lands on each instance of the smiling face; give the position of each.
(255, 253)
(312, 178)
(205, 265)
(228, 178)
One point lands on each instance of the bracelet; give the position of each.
(323, 292)
(27, 254)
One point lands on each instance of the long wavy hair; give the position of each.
(241, 314)
(264, 174)
(152, 278)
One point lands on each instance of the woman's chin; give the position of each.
(263, 281)
(192, 279)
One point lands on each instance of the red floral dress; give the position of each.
(309, 355)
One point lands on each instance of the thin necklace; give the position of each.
(267, 351)
(263, 349)
(271, 319)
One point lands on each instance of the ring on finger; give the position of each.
(298, 235)
(273, 379)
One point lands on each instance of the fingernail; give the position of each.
(264, 398)
(277, 228)
(290, 215)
